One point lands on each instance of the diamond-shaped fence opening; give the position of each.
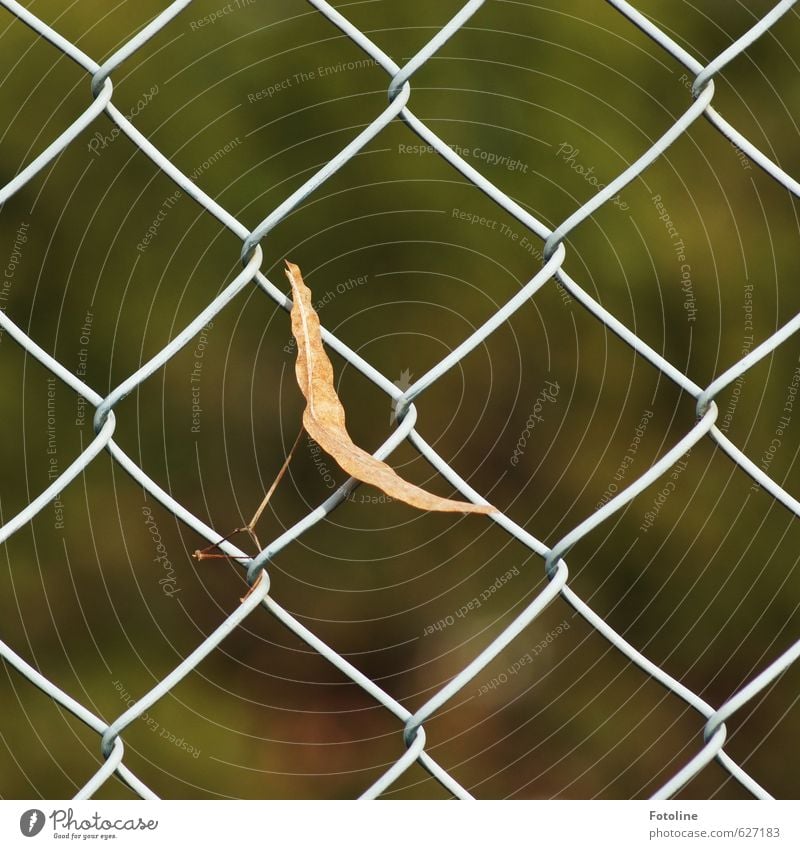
(481, 307)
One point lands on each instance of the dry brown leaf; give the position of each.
(324, 417)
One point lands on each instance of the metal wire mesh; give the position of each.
(410, 725)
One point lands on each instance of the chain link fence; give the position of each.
(553, 271)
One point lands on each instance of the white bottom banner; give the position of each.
(402, 824)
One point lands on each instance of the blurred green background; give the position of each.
(251, 105)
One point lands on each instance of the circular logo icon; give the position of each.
(31, 822)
